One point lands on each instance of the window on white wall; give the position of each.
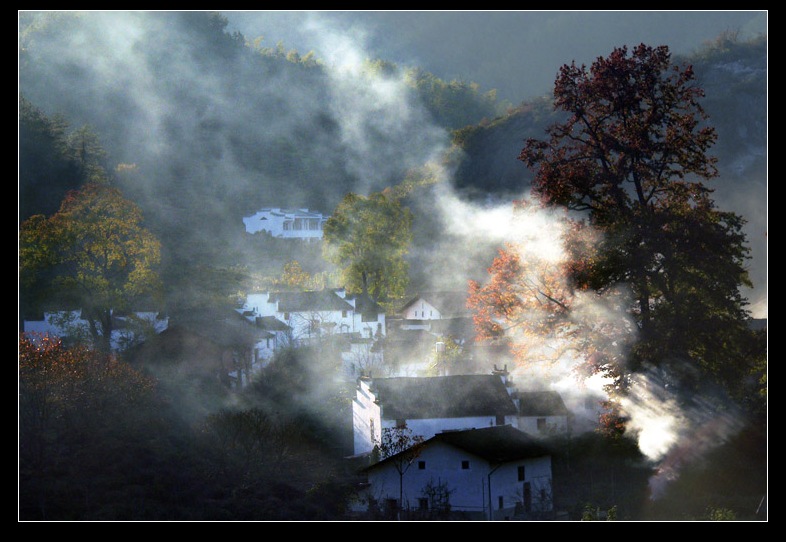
(421, 465)
(465, 465)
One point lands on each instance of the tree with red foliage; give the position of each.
(628, 164)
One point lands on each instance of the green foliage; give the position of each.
(453, 104)
(594, 513)
(47, 168)
(721, 514)
(368, 238)
(95, 253)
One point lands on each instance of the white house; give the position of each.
(542, 413)
(493, 473)
(430, 405)
(129, 328)
(286, 223)
(314, 314)
(436, 306)
(441, 313)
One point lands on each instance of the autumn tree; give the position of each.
(368, 238)
(94, 253)
(629, 166)
(81, 413)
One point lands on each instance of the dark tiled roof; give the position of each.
(453, 396)
(450, 304)
(541, 403)
(226, 328)
(317, 300)
(270, 323)
(495, 444)
(367, 307)
(498, 444)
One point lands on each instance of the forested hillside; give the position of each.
(201, 128)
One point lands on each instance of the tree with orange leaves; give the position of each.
(628, 164)
(67, 389)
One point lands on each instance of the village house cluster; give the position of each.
(481, 437)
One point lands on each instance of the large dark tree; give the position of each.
(629, 164)
(633, 155)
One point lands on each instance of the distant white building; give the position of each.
(286, 223)
(319, 313)
(129, 328)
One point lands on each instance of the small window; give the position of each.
(401, 423)
(423, 503)
(421, 465)
(541, 424)
(501, 502)
(465, 465)
(500, 420)
(522, 473)
(286, 316)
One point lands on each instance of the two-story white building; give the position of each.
(493, 473)
(430, 405)
(287, 223)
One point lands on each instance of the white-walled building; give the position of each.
(542, 413)
(286, 223)
(493, 473)
(430, 405)
(314, 314)
(436, 306)
(129, 328)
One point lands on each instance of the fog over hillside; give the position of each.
(516, 52)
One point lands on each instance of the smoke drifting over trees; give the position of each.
(202, 126)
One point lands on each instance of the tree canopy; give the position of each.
(94, 254)
(368, 237)
(628, 166)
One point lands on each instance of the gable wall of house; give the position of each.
(422, 310)
(366, 424)
(508, 490)
(467, 477)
